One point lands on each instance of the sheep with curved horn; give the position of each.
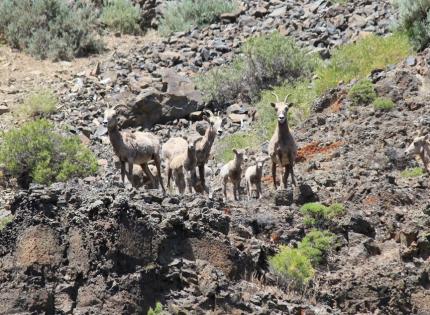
(282, 146)
(133, 147)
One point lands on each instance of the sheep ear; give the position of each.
(234, 151)
(273, 104)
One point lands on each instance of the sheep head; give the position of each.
(281, 108)
(417, 146)
(239, 155)
(110, 119)
(216, 122)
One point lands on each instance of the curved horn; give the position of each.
(286, 97)
(118, 106)
(277, 97)
(210, 112)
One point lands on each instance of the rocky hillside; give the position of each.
(97, 246)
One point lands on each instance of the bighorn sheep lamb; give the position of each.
(133, 147)
(183, 167)
(253, 176)
(233, 171)
(173, 147)
(203, 147)
(421, 146)
(282, 146)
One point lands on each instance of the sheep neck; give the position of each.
(116, 139)
(283, 131)
(208, 139)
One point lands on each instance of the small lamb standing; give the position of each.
(171, 148)
(183, 167)
(421, 146)
(233, 171)
(133, 147)
(282, 146)
(253, 175)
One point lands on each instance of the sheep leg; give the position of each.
(148, 173)
(189, 182)
(274, 174)
(248, 191)
(169, 176)
(285, 176)
(158, 166)
(236, 191)
(130, 173)
(293, 178)
(122, 171)
(202, 176)
(259, 192)
(224, 188)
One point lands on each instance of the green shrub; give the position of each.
(317, 214)
(362, 93)
(412, 172)
(181, 16)
(49, 28)
(357, 60)
(265, 61)
(157, 310)
(39, 102)
(121, 16)
(383, 103)
(5, 221)
(414, 20)
(293, 265)
(316, 244)
(35, 148)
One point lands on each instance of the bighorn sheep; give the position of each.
(173, 147)
(203, 147)
(253, 176)
(183, 167)
(421, 146)
(233, 171)
(282, 146)
(133, 147)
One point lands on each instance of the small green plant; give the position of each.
(39, 102)
(157, 310)
(316, 244)
(357, 60)
(121, 16)
(362, 93)
(182, 15)
(56, 29)
(412, 172)
(5, 221)
(383, 103)
(293, 265)
(38, 150)
(265, 61)
(317, 214)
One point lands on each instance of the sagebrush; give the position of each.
(182, 15)
(362, 93)
(121, 16)
(414, 20)
(317, 214)
(265, 61)
(56, 29)
(36, 150)
(41, 101)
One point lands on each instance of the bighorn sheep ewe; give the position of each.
(183, 167)
(233, 171)
(282, 147)
(203, 147)
(421, 146)
(133, 147)
(253, 176)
